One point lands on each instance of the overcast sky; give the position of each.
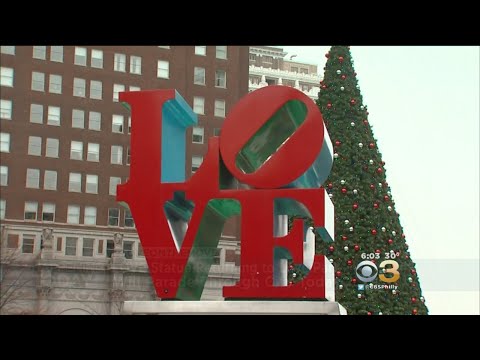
(423, 105)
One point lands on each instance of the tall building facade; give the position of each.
(67, 245)
(268, 66)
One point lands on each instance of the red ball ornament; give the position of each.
(344, 191)
(340, 58)
(414, 300)
(331, 248)
(356, 247)
(324, 87)
(413, 271)
(372, 186)
(374, 232)
(367, 113)
(369, 313)
(354, 281)
(390, 241)
(379, 170)
(403, 236)
(371, 145)
(386, 198)
(377, 251)
(344, 77)
(327, 55)
(290, 283)
(338, 273)
(355, 206)
(330, 185)
(349, 262)
(375, 205)
(352, 102)
(344, 238)
(290, 267)
(406, 257)
(365, 122)
(337, 143)
(414, 312)
(329, 105)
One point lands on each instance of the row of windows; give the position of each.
(76, 149)
(75, 246)
(78, 115)
(48, 212)
(50, 181)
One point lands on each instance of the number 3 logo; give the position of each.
(391, 270)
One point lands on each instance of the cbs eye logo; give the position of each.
(367, 271)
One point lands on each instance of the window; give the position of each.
(93, 152)
(9, 50)
(110, 248)
(53, 116)
(199, 76)
(48, 212)
(76, 150)
(220, 78)
(303, 71)
(4, 142)
(114, 181)
(117, 124)
(30, 210)
(38, 81)
(221, 52)
(119, 62)
(100, 247)
(305, 87)
(59, 243)
(196, 162)
(220, 108)
(28, 244)
(50, 180)
(80, 56)
(254, 80)
(134, 88)
(116, 155)
(78, 118)
(52, 148)
(252, 57)
(135, 65)
(97, 59)
(73, 214)
(55, 84)
(268, 59)
(140, 250)
(6, 109)
(163, 69)
(217, 257)
(199, 105)
(94, 120)
(201, 50)
(75, 182)
(71, 246)
(56, 53)
(36, 113)
(3, 208)
(3, 175)
(40, 52)
(113, 216)
(91, 186)
(78, 87)
(34, 145)
(128, 156)
(294, 69)
(33, 178)
(129, 219)
(216, 131)
(128, 249)
(6, 76)
(90, 217)
(87, 247)
(129, 125)
(116, 89)
(197, 135)
(95, 90)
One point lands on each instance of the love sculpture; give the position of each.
(269, 163)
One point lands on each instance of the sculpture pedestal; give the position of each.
(240, 307)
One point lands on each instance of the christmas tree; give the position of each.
(367, 227)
